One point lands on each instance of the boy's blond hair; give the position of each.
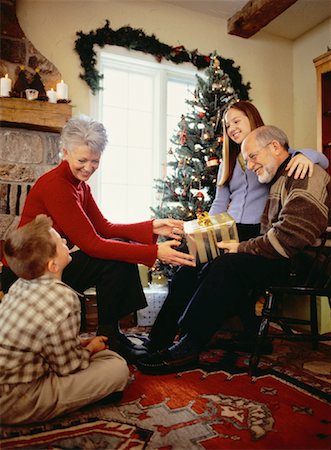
(29, 248)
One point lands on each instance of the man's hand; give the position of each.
(228, 247)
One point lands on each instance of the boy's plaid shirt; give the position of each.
(39, 331)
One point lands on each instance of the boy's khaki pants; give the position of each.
(51, 396)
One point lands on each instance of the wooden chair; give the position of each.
(317, 283)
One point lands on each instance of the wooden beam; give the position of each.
(255, 15)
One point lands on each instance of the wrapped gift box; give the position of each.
(203, 233)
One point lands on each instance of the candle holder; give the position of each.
(52, 96)
(5, 86)
(62, 91)
(31, 94)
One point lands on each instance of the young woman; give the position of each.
(242, 196)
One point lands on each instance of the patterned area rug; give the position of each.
(217, 406)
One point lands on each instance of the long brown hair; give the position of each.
(231, 150)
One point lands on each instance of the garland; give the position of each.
(136, 39)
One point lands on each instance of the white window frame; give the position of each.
(163, 72)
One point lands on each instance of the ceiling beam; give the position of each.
(255, 15)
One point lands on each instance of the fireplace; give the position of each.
(29, 147)
(29, 133)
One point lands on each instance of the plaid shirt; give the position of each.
(39, 328)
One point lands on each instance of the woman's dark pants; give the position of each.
(118, 287)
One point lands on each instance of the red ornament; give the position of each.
(213, 161)
(182, 133)
(177, 50)
(199, 196)
(202, 114)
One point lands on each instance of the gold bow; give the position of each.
(204, 219)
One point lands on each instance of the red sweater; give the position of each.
(76, 216)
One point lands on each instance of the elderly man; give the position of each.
(296, 214)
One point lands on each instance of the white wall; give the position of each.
(265, 60)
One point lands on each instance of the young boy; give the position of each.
(46, 369)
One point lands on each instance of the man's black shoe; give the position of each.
(129, 352)
(125, 340)
(244, 346)
(162, 362)
(181, 356)
(150, 345)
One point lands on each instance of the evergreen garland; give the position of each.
(136, 39)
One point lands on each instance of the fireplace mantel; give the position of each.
(34, 114)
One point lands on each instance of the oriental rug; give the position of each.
(216, 406)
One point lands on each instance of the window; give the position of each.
(140, 105)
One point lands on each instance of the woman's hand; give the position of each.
(97, 344)
(228, 247)
(168, 227)
(169, 255)
(299, 165)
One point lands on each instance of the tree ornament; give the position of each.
(202, 114)
(212, 161)
(200, 196)
(217, 86)
(182, 132)
(216, 64)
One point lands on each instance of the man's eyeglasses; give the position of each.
(252, 156)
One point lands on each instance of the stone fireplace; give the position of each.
(29, 133)
(25, 154)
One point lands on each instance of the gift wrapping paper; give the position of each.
(203, 233)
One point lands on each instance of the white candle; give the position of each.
(62, 91)
(52, 96)
(5, 86)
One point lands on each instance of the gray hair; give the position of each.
(267, 133)
(83, 130)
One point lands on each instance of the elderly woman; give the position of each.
(106, 254)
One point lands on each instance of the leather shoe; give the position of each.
(182, 355)
(150, 345)
(125, 340)
(241, 346)
(129, 352)
(163, 362)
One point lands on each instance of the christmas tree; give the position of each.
(190, 184)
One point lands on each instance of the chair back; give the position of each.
(312, 268)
